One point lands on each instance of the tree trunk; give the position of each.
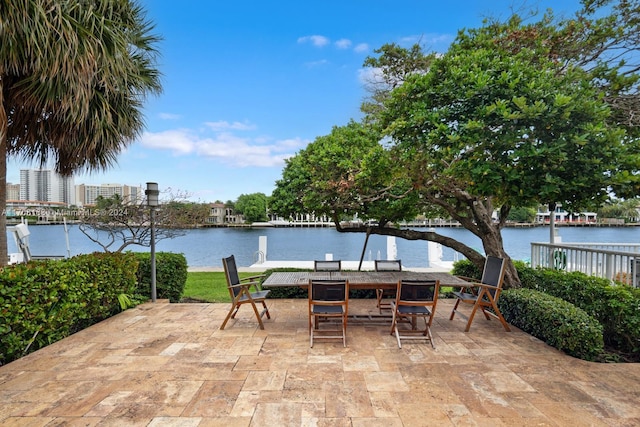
(4, 127)
(491, 241)
(493, 245)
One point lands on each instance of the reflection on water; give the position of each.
(206, 247)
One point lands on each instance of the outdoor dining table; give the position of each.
(359, 279)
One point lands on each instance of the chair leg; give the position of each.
(473, 313)
(258, 316)
(433, 346)
(230, 314)
(266, 310)
(344, 330)
(453, 310)
(233, 316)
(395, 329)
(501, 318)
(394, 326)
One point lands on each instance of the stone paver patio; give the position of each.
(169, 365)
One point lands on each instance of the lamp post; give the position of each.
(152, 201)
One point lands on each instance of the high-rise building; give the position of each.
(13, 191)
(44, 185)
(86, 194)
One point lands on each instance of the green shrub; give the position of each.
(466, 268)
(553, 320)
(44, 301)
(616, 307)
(171, 275)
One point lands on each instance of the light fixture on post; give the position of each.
(152, 201)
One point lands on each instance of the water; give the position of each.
(207, 247)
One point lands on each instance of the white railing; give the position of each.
(613, 261)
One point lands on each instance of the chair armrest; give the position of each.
(472, 281)
(255, 281)
(248, 284)
(488, 287)
(472, 285)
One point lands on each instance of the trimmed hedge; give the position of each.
(171, 275)
(44, 301)
(616, 307)
(553, 320)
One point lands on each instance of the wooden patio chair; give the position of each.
(327, 265)
(483, 295)
(414, 299)
(382, 294)
(240, 292)
(328, 299)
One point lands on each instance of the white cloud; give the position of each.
(318, 41)
(222, 125)
(225, 146)
(169, 116)
(343, 44)
(361, 47)
(370, 75)
(314, 64)
(180, 141)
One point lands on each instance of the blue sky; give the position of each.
(248, 83)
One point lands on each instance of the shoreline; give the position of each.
(443, 267)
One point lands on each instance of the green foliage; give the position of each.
(484, 83)
(44, 301)
(553, 320)
(466, 268)
(621, 209)
(616, 307)
(522, 214)
(76, 101)
(184, 214)
(345, 173)
(252, 206)
(171, 275)
(511, 115)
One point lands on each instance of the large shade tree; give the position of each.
(73, 78)
(512, 114)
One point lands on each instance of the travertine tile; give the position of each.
(170, 365)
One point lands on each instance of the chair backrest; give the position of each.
(327, 265)
(231, 272)
(388, 265)
(417, 292)
(329, 291)
(493, 273)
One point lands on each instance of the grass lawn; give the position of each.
(211, 286)
(208, 286)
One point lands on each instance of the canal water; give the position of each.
(207, 247)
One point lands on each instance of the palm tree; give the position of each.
(73, 78)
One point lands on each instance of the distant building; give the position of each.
(216, 213)
(220, 214)
(44, 185)
(560, 216)
(13, 191)
(88, 194)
